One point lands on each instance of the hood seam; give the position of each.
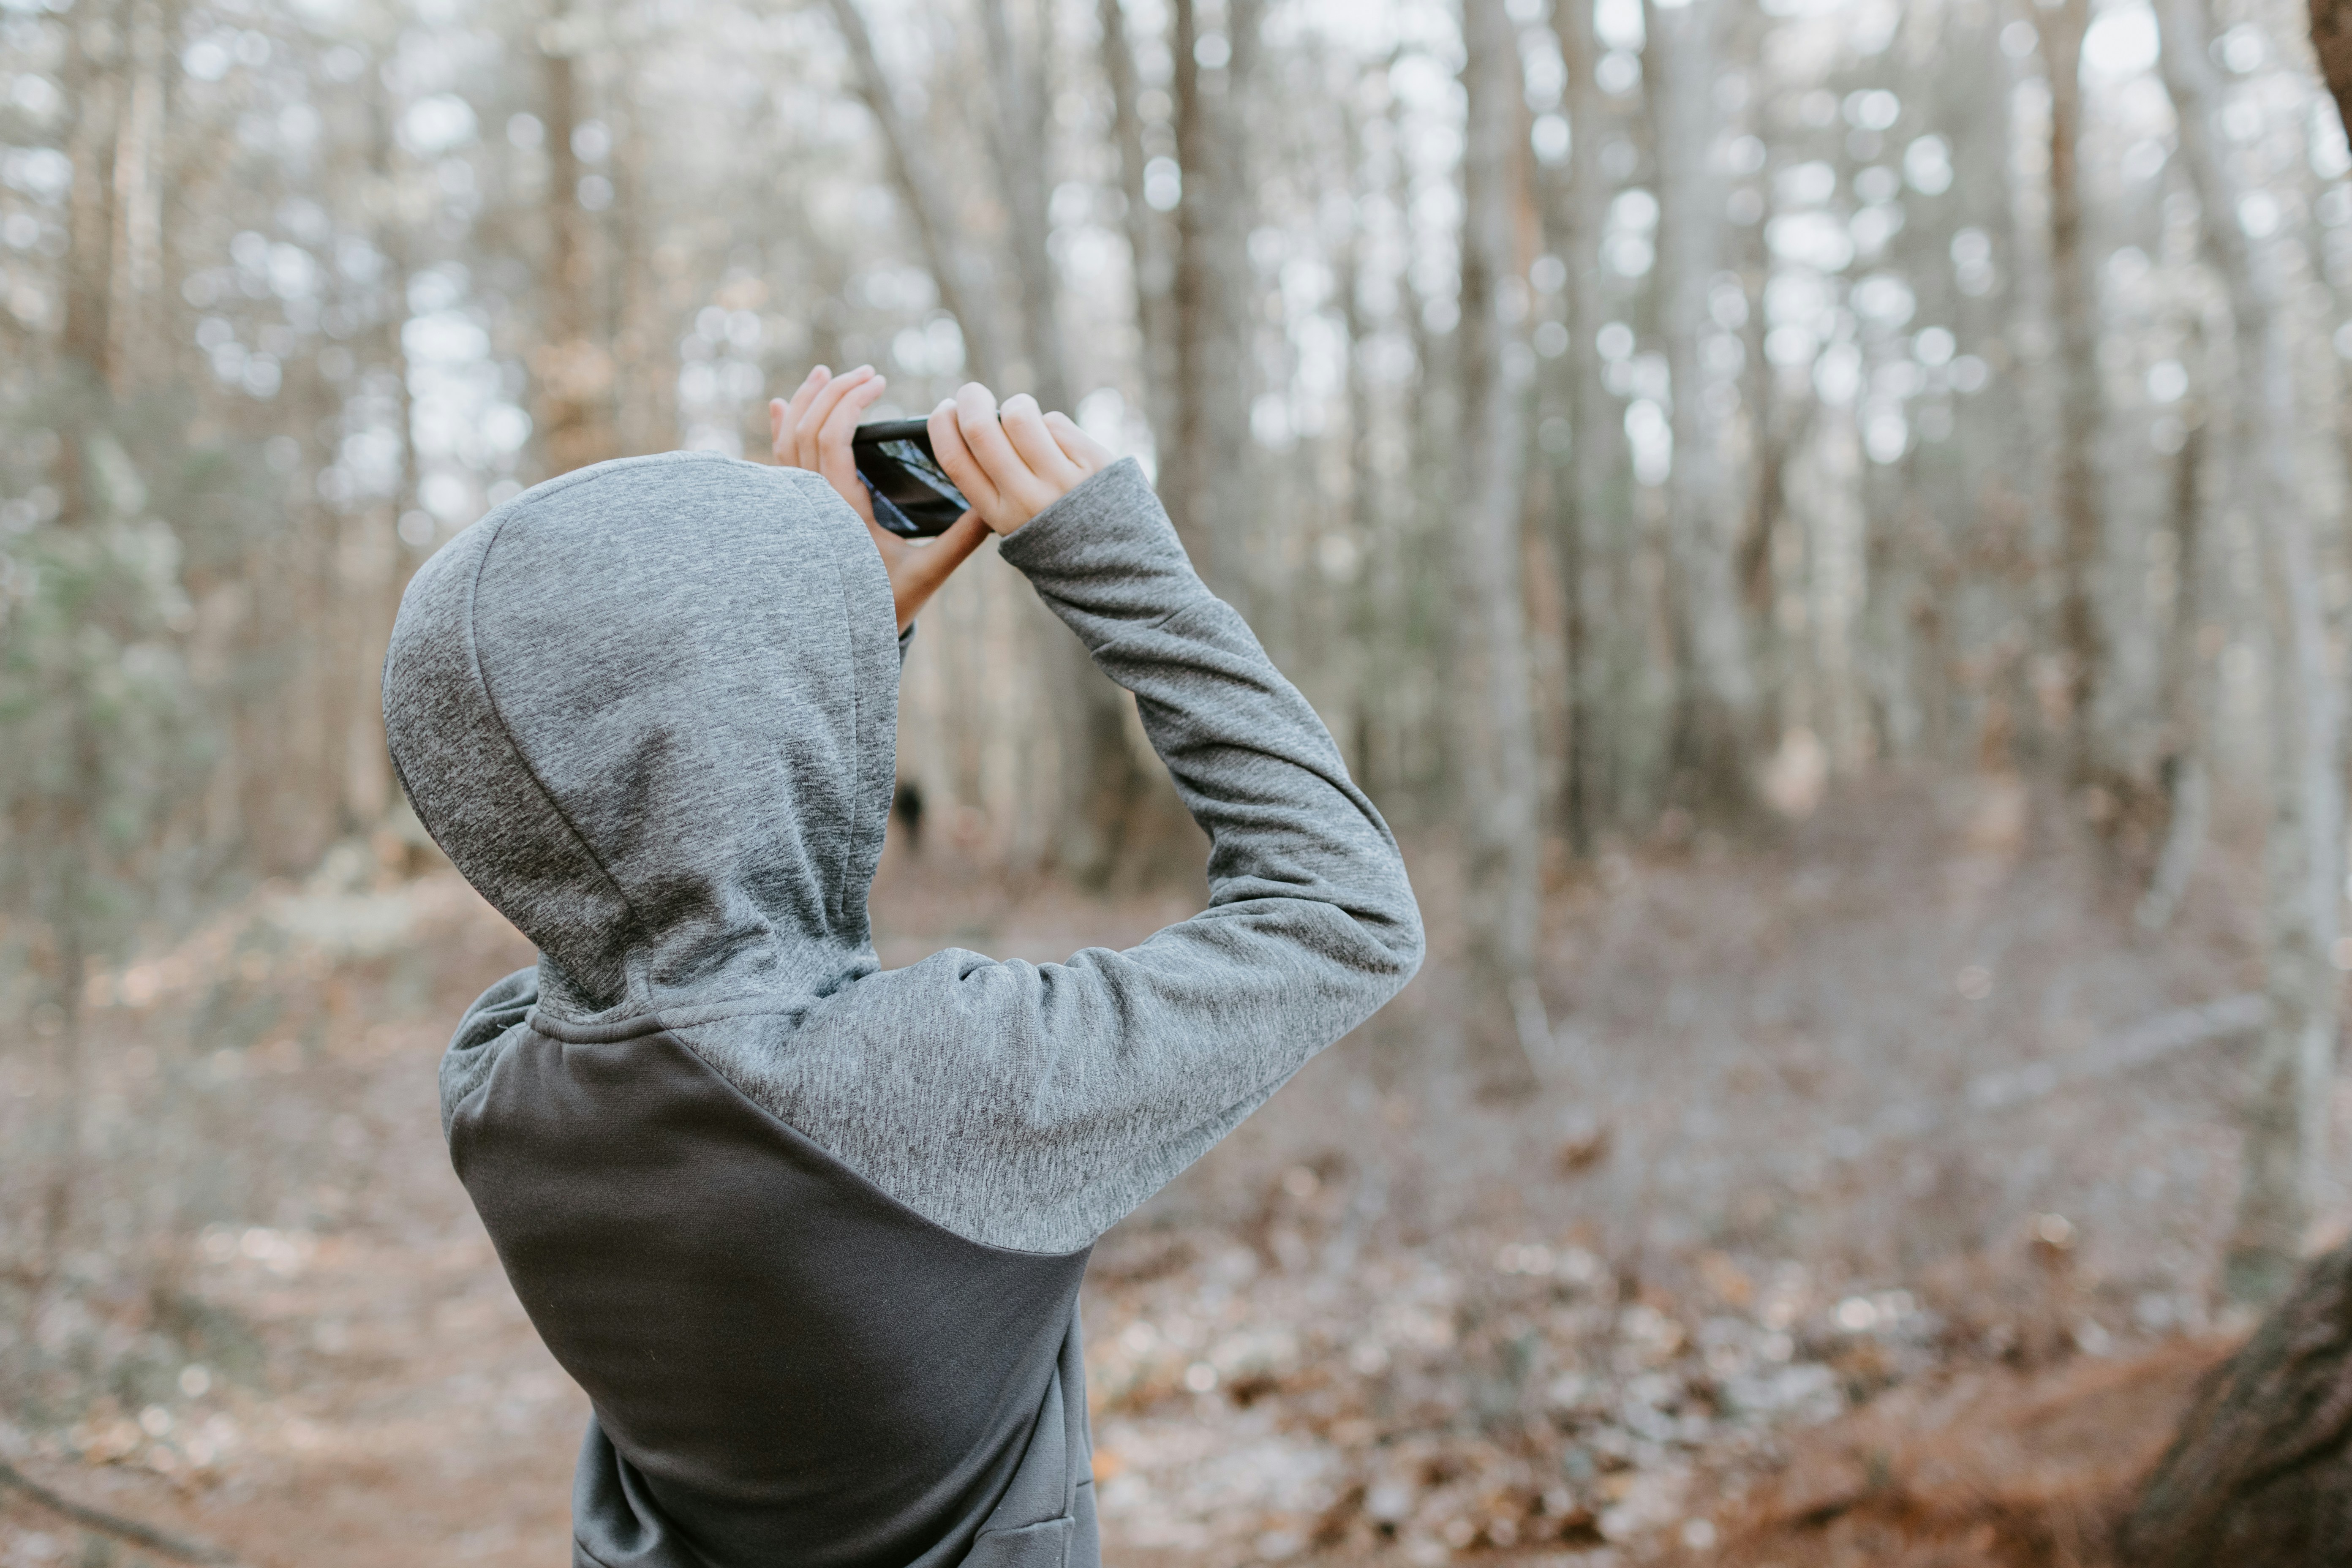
(630, 989)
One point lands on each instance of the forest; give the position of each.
(1822, 524)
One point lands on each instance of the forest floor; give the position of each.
(1866, 1214)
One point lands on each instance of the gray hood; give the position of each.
(650, 709)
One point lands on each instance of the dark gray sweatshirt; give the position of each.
(809, 1231)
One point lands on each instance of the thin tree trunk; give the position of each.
(1718, 706)
(645, 413)
(2081, 544)
(1103, 790)
(2187, 683)
(573, 367)
(369, 794)
(1150, 244)
(2304, 858)
(928, 205)
(1018, 134)
(1504, 1022)
(1596, 523)
(1205, 471)
(2331, 37)
(93, 88)
(137, 272)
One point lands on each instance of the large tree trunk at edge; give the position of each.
(2331, 37)
(2261, 1471)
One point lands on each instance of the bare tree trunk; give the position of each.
(645, 405)
(1205, 471)
(1717, 705)
(1018, 132)
(133, 316)
(368, 773)
(572, 365)
(928, 205)
(93, 88)
(1104, 793)
(2263, 1463)
(2303, 855)
(2187, 688)
(2331, 37)
(1150, 247)
(1504, 1022)
(1597, 522)
(2074, 304)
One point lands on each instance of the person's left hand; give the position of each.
(813, 431)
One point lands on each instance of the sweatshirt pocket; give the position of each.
(1045, 1545)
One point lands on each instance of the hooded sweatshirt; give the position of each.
(810, 1232)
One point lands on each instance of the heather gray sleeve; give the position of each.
(1033, 1106)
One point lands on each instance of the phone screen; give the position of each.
(912, 495)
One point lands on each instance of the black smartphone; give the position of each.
(912, 495)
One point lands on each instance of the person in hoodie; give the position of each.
(809, 1231)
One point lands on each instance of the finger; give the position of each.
(820, 406)
(1025, 427)
(834, 437)
(802, 396)
(834, 456)
(1014, 483)
(776, 411)
(1090, 455)
(948, 446)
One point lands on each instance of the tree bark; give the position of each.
(2286, 1112)
(1596, 523)
(370, 794)
(1149, 245)
(92, 82)
(928, 206)
(1018, 131)
(646, 409)
(2074, 304)
(1204, 469)
(573, 364)
(1104, 791)
(1716, 708)
(2331, 39)
(134, 313)
(2260, 1472)
(2185, 689)
(1503, 1021)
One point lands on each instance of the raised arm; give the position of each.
(1033, 1106)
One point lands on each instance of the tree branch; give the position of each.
(926, 202)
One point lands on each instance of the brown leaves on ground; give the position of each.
(1991, 1468)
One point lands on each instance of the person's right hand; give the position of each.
(1015, 469)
